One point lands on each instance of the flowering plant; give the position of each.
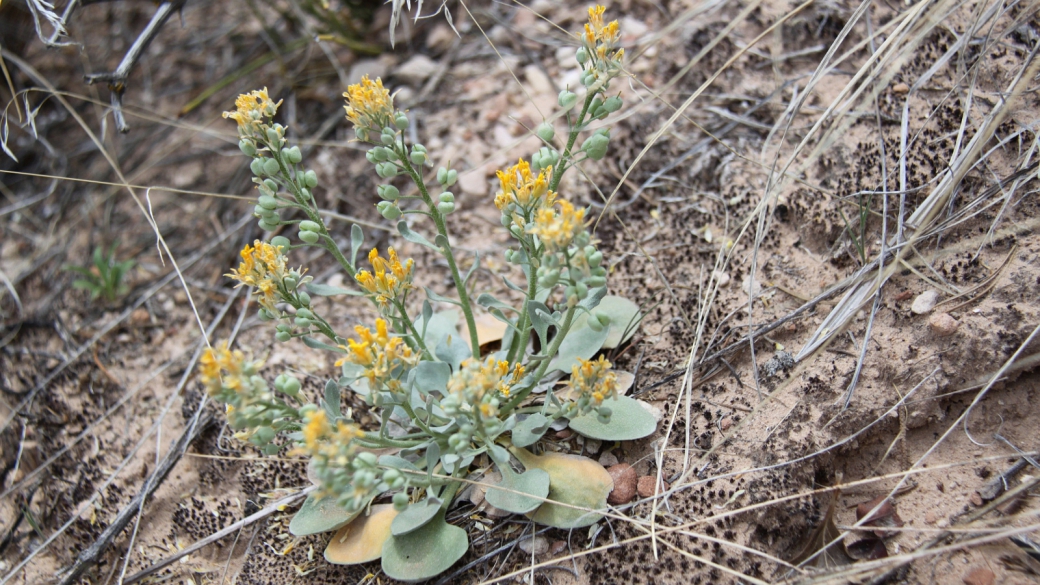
(445, 408)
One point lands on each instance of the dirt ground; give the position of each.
(769, 155)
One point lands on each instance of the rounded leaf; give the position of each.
(533, 485)
(628, 421)
(529, 430)
(320, 514)
(424, 553)
(415, 516)
(574, 480)
(362, 540)
(624, 319)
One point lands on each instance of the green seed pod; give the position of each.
(506, 220)
(453, 176)
(387, 138)
(302, 323)
(536, 161)
(305, 299)
(595, 146)
(271, 167)
(595, 258)
(545, 131)
(274, 138)
(442, 175)
(378, 154)
(310, 179)
(247, 147)
(604, 418)
(361, 134)
(594, 324)
(305, 313)
(367, 459)
(264, 315)
(418, 147)
(291, 386)
(294, 155)
(310, 226)
(290, 282)
(418, 158)
(391, 155)
(595, 281)
(567, 99)
(259, 211)
(582, 289)
(371, 157)
(400, 501)
(282, 336)
(582, 56)
(305, 194)
(272, 449)
(309, 237)
(388, 192)
(271, 185)
(588, 79)
(613, 104)
(446, 197)
(445, 208)
(257, 166)
(268, 226)
(401, 120)
(387, 170)
(596, 103)
(388, 210)
(268, 202)
(280, 242)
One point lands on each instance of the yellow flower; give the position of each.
(600, 39)
(221, 367)
(391, 278)
(593, 378)
(369, 104)
(381, 355)
(316, 428)
(521, 187)
(251, 108)
(557, 229)
(480, 384)
(263, 267)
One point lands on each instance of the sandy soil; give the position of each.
(764, 453)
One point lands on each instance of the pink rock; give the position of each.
(645, 487)
(625, 483)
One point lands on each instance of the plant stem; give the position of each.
(575, 129)
(442, 229)
(419, 343)
(524, 322)
(553, 348)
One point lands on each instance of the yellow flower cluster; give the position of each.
(593, 378)
(262, 267)
(391, 278)
(369, 105)
(231, 379)
(523, 188)
(601, 38)
(558, 228)
(380, 355)
(215, 361)
(321, 439)
(251, 108)
(480, 384)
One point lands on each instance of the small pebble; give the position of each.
(930, 517)
(943, 325)
(537, 545)
(140, 316)
(564, 434)
(976, 499)
(645, 487)
(625, 483)
(980, 576)
(900, 88)
(608, 459)
(725, 424)
(593, 445)
(924, 302)
(557, 547)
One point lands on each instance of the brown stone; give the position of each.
(140, 316)
(625, 482)
(976, 499)
(645, 487)
(943, 325)
(930, 517)
(900, 88)
(725, 424)
(980, 576)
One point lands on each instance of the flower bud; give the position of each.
(310, 179)
(604, 418)
(445, 207)
(280, 242)
(582, 55)
(567, 99)
(596, 281)
(388, 192)
(595, 258)
(265, 315)
(588, 79)
(401, 120)
(290, 282)
(293, 155)
(271, 167)
(545, 131)
(247, 147)
(400, 501)
(361, 133)
(310, 226)
(309, 237)
(388, 210)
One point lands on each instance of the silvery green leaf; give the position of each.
(453, 350)
(529, 430)
(320, 514)
(424, 553)
(624, 319)
(315, 344)
(628, 421)
(580, 343)
(488, 301)
(332, 399)
(430, 377)
(414, 237)
(438, 327)
(440, 298)
(532, 485)
(397, 462)
(357, 237)
(324, 290)
(415, 516)
(472, 269)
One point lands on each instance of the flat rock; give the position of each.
(980, 576)
(536, 546)
(625, 482)
(415, 70)
(473, 182)
(925, 302)
(373, 68)
(440, 38)
(537, 80)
